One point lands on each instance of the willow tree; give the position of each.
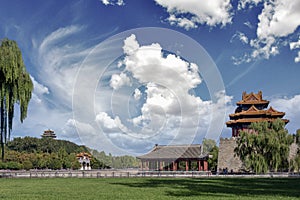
(266, 147)
(15, 88)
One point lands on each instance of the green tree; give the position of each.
(15, 87)
(265, 146)
(298, 136)
(213, 158)
(27, 165)
(210, 148)
(208, 145)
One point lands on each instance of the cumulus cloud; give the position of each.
(278, 18)
(119, 80)
(108, 123)
(170, 111)
(191, 13)
(277, 21)
(113, 2)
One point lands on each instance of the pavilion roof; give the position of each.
(174, 152)
(252, 99)
(82, 154)
(251, 120)
(271, 112)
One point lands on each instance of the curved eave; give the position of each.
(279, 114)
(248, 121)
(252, 102)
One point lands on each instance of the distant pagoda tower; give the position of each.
(48, 134)
(252, 108)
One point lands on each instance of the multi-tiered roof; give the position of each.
(48, 134)
(252, 108)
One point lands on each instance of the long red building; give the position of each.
(252, 108)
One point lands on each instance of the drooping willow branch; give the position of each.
(15, 88)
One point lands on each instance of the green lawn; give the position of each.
(149, 188)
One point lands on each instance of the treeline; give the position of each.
(45, 153)
(116, 162)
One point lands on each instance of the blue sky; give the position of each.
(105, 79)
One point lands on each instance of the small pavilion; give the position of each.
(85, 160)
(174, 158)
(48, 134)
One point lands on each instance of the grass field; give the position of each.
(149, 188)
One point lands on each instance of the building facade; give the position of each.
(174, 158)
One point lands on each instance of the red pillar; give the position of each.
(205, 165)
(199, 165)
(186, 166)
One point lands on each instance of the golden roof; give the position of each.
(251, 120)
(82, 154)
(254, 111)
(252, 99)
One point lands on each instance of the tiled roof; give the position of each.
(252, 99)
(174, 152)
(254, 111)
(82, 154)
(250, 120)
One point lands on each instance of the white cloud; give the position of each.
(111, 125)
(58, 56)
(169, 112)
(296, 45)
(241, 36)
(38, 90)
(182, 22)
(38, 87)
(249, 25)
(119, 80)
(277, 21)
(250, 3)
(279, 18)
(137, 94)
(130, 45)
(297, 59)
(289, 105)
(212, 13)
(113, 2)
(264, 48)
(59, 61)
